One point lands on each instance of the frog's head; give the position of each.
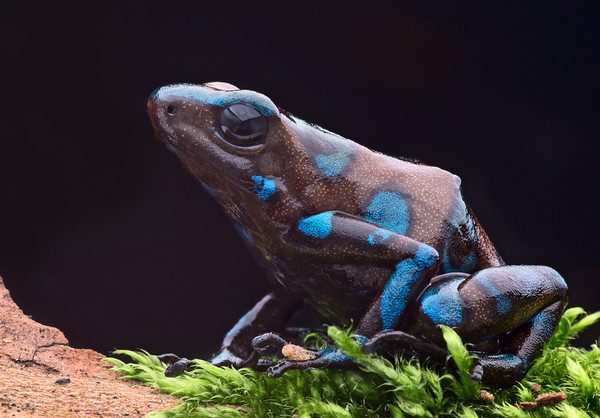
(245, 149)
(220, 133)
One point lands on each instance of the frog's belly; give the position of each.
(340, 293)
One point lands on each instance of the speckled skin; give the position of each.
(363, 238)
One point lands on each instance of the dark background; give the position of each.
(103, 235)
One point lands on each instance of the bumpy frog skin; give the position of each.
(382, 243)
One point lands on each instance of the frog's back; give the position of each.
(419, 201)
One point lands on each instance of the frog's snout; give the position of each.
(159, 106)
(153, 110)
(165, 102)
(163, 109)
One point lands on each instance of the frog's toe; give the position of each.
(168, 358)
(268, 344)
(263, 364)
(178, 367)
(175, 364)
(227, 359)
(476, 373)
(281, 367)
(285, 365)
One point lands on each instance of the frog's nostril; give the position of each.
(171, 109)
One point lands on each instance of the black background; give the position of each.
(102, 233)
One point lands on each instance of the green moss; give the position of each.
(402, 388)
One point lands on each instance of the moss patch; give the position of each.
(402, 388)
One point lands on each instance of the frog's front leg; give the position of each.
(337, 237)
(271, 313)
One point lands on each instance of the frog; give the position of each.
(385, 245)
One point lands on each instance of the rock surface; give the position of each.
(40, 375)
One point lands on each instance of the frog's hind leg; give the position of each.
(518, 305)
(520, 347)
(390, 342)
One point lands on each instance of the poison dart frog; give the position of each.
(383, 243)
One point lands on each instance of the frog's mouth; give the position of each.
(155, 119)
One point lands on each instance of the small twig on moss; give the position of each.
(545, 399)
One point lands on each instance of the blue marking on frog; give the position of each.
(222, 356)
(318, 226)
(211, 192)
(530, 284)
(378, 236)
(512, 359)
(441, 303)
(388, 210)
(399, 285)
(467, 265)
(334, 164)
(240, 324)
(361, 339)
(503, 303)
(335, 355)
(265, 187)
(221, 98)
(242, 233)
(542, 323)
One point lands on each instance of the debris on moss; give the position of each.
(569, 376)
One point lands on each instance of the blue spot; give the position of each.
(378, 236)
(542, 323)
(467, 266)
(425, 256)
(242, 233)
(209, 190)
(361, 339)
(222, 356)
(265, 188)
(318, 226)
(441, 303)
(533, 281)
(400, 283)
(220, 98)
(388, 210)
(334, 164)
(335, 355)
(503, 303)
(511, 359)
(243, 322)
(539, 319)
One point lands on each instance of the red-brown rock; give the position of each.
(40, 375)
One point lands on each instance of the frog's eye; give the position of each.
(243, 126)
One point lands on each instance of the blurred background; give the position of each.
(102, 233)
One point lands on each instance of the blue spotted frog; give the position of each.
(383, 243)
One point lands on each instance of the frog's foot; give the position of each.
(403, 341)
(270, 344)
(285, 365)
(399, 340)
(476, 373)
(328, 358)
(501, 370)
(175, 365)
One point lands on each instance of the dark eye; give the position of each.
(243, 126)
